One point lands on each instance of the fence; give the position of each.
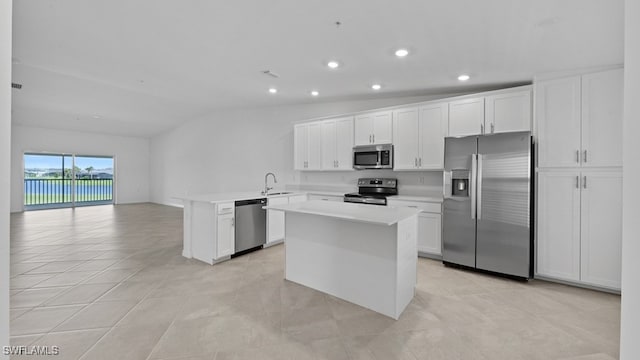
(61, 191)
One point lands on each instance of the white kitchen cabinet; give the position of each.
(275, 220)
(579, 120)
(601, 228)
(430, 233)
(418, 137)
(225, 233)
(602, 96)
(337, 144)
(466, 117)
(429, 225)
(307, 145)
(433, 129)
(559, 225)
(373, 128)
(406, 139)
(558, 119)
(579, 226)
(508, 111)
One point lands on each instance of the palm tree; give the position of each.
(89, 170)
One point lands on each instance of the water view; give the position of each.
(52, 180)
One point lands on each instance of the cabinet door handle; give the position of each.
(578, 156)
(337, 163)
(374, 138)
(233, 221)
(481, 128)
(415, 162)
(370, 139)
(584, 158)
(577, 182)
(493, 126)
(584, 182)
(420, 162)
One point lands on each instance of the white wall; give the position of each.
(232, 150)
(131, 158)
(630, 327)
(5, 166)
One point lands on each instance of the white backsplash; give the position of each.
(409, 182)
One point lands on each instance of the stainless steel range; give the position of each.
(373, 191)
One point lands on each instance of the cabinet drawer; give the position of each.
(424, 206)
(226, 208)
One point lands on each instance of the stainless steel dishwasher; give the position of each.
(251, 224)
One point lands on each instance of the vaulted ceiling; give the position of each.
(142, 67)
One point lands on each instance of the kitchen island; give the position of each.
(364, 254)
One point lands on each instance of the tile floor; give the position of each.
(108, 282)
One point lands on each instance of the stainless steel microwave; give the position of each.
(373, 157)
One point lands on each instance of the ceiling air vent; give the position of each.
(16, 86)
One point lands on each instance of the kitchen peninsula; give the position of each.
(360, 253)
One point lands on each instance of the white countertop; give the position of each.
(432, 197)
(233, 196)
(380, 215)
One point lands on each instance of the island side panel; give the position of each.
(203, 231)
(186, 229)
(407, 262)
(353, 261)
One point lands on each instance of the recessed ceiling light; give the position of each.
(333, 64)
(463, 77)
(315, 93)
(402, 52)
(376, 86)
(273, 90)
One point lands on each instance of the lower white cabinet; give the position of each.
(580, 226)
(211, 232)
(225, 233)
(429, 225)
(275, 218)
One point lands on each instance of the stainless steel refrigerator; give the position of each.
(488, 203)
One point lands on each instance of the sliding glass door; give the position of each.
(67, 180)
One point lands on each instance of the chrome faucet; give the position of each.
(267, 188)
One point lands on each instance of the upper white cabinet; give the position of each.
(510, 111)
(579, 120)
(418, 137)
(406, 138)
(602, 104)
(503, 111)
(466, 117)
(307, 140)
(433, 129)
(373, 128)
(337, 143)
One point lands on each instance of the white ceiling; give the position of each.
(145, 66)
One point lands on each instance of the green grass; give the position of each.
(55, 199)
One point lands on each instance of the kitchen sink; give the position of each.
(279, 193)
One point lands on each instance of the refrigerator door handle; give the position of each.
(479, 188)
(472, 186)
